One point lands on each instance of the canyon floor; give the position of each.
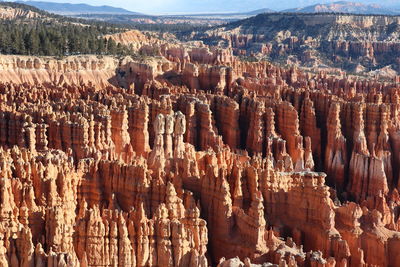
(186, 155)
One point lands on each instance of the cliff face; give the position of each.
(355, 43)
(17, 13)
(134, 38)
(82, 70)
(192, 159)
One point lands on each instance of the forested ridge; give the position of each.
(54, 35)
(43, 39)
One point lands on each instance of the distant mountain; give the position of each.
(229, 14)
(345, 7)
(260, 11)
(204, 19)
(74, 9)
(396, 7)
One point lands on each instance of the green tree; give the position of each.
(111, 46)
(32, 42)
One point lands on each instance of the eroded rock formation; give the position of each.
(354, 43)
(195, 158)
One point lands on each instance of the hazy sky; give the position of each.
(180, 6)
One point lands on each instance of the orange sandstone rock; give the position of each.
(209, 161)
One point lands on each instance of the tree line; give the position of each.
(49, 39)
(55, 35)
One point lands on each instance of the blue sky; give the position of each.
(196, 6)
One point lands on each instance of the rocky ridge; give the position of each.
(345, 7)
(9, 13)
(353, 43)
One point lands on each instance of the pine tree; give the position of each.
(32, 43)
(43, 38)
(101, 46)
(111, 46)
